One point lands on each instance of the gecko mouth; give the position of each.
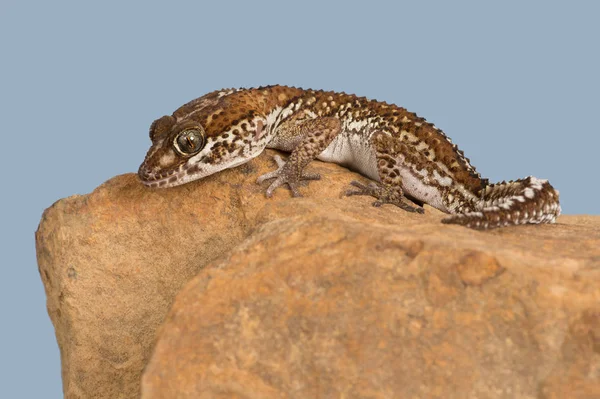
(154, 177)
(167, 178)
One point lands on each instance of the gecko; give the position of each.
(409, 161)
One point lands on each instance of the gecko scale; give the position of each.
(410, 161)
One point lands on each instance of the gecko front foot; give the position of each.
(285, 175)
(384, 195)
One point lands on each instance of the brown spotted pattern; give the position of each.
(410, 153)
(523, 201)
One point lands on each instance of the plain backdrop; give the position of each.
(514, 83)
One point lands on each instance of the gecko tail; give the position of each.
(529, 200)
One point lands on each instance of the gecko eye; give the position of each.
(189, 142)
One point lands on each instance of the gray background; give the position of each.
(515, 84)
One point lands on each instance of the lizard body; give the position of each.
(407, 157)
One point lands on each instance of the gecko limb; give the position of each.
(312, 137)
(385, 195)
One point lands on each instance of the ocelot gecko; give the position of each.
(410, 161)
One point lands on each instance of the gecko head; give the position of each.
(183, 151)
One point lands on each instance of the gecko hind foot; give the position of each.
(283, 175)
(383, 194)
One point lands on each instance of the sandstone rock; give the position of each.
(348, 304)
(319, 296)
(112, 262)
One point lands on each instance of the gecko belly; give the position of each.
(349, 150)
(415, 187)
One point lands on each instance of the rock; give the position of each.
(112, 261)
(338, 302)
(319, 296)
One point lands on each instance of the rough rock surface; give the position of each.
(313, 297)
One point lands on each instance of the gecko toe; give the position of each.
(273, 186)
(280, 162)
(350, 193)
(358, 184)
(311, 176)
(362, 189)
(267, 176)
(295, 192)
(408, 208)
